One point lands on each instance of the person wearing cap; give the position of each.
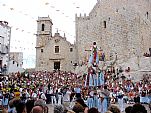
(16, 93)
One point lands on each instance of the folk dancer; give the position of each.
(107, 94)
(100, 79)
(90, 99)
(120, 99)
(102, 105)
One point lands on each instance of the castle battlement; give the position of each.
(82, 17)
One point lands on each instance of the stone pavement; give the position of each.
(146, 105)
(50, 108)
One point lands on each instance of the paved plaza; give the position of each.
(146, 105)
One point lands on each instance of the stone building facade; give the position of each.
(5, 36)
(53, 52)
(15, 62)
(121, 28)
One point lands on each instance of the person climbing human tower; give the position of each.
(94, 59)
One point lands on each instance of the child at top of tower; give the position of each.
(94, 60)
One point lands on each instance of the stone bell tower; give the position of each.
(44, 31)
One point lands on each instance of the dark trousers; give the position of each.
(78, 95)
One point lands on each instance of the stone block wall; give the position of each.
(119, 27)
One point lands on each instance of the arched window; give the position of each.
(43, 27)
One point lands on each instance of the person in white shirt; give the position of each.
(27, 94)
(78, 92)
(53, 98)
(66, 98)
(42, 96)
(120, 95)
(60, 96)
(34, 95)
(129, 77)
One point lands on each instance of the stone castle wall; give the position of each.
(127, 32)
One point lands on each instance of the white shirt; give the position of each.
(43, 96)
(34, 95)
(51, 91)
(77, 90)
(92, 93)
(27, 95)
(67, 96)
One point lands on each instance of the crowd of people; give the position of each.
(19, 93)
(97, 91)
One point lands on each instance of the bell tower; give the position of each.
(44, 30)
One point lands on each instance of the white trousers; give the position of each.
(121, 104)
(53, 100)
(59, 99)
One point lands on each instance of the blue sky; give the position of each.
(22, 15)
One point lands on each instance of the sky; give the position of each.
(22, 15)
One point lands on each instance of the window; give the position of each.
(57, 65)
(56, 49)
(147, 14)
(71, 49)
(42, 50)
(116, 10)
(17, 65)
(43, 27)
(13, 62)
(104, 24)
(109, 18)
